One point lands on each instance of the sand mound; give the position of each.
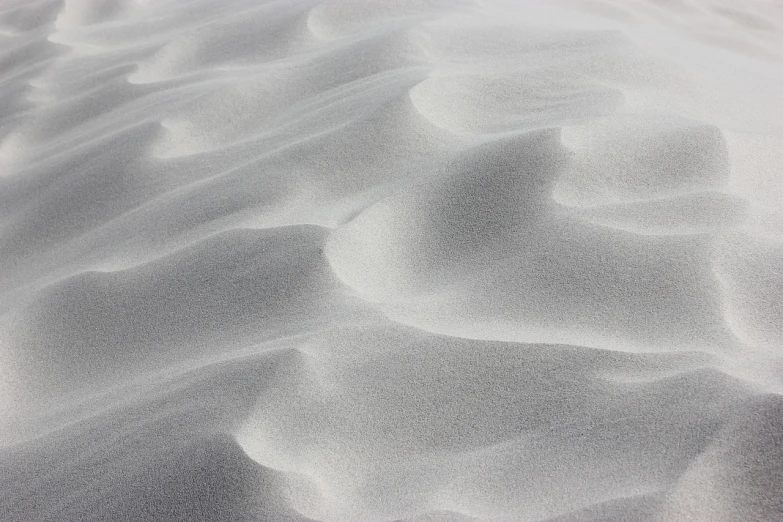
(418, 261)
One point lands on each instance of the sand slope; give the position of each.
(409, 260)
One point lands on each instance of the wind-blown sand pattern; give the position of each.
(391, 260)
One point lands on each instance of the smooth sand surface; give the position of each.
(391, 260)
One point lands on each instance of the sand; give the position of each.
(391, 260)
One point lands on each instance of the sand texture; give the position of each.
(391, 260)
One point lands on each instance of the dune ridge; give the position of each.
(406, 260)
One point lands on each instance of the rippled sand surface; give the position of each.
(391, 260)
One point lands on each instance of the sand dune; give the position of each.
(409, 260)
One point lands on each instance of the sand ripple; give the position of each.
(390, 260)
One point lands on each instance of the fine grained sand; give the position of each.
(420, 260)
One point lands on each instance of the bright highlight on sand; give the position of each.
(391, 260)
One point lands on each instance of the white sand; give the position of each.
(391, 260)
